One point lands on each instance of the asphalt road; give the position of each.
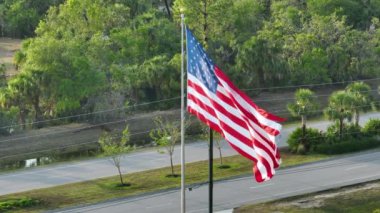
(236, 192)
(64, 173)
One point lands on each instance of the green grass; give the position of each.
(14, 203)
(360, 198)
(141, 182)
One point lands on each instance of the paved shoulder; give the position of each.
(236, 192)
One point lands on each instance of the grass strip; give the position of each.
(351, 199)
(94, 191)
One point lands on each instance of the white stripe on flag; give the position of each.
(263, 120)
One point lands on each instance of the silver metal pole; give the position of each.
(183, 200)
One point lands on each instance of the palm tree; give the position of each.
(305, 105)
(340, 108)
(363, 99)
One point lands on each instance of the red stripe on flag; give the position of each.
(270, 116)
(246, 113)
(256, 172)
(204, 119)
(214, 99)
(226, 127)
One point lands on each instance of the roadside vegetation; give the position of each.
(115, 147)
(84, 56)
(166, 136)
(359, 198)
(93, 62)
(141, 182)
(98, 61)
(344, 134)
(10, 204)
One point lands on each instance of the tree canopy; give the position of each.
(79, 50)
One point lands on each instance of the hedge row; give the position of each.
(352, 145)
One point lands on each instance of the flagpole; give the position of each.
(210, 174)
(183, 203)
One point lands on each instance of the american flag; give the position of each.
(213, 98)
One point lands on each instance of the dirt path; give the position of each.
(8, 47)
(75, 137)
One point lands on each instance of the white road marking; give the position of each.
(352, 180)
(295, 191)
(198, 210)
(226, 211)
(356, 167)
(160, 205)
(261, 186)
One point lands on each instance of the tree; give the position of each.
(8, 115)
(306, 59)
(218, 140)
(356, 11)
(114, 147)
(213, 22)
(340, 108)
(166, 135)
(260, 60)
(14, 95)
(64, 78)
(3, 77)
(199, 16)
(363, 100)
(305, 104)
(19, 18)
(168, 8)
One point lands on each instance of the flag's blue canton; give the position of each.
(199, 64)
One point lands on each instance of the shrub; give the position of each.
(303, 145)
(372, 127)
(193, 126)
(350, 131)
(8, 118)
(10, 204)
(350, 145)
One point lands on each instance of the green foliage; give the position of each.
(305, 104)
(357, 12)
(349, 131)
(114, 146)
(303, 144)
(310, 68)
(260, 60)
(350, 138)
(350, 145)
(11, 204)
(166, 135)
(3, 80)
(203, 16)
(86, 52)
(372, 127)
(20, 17)
(363, 101)
(340, 104)
(340, 108)
(8, 121)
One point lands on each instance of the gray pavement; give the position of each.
(64, 173)
(233, 193)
